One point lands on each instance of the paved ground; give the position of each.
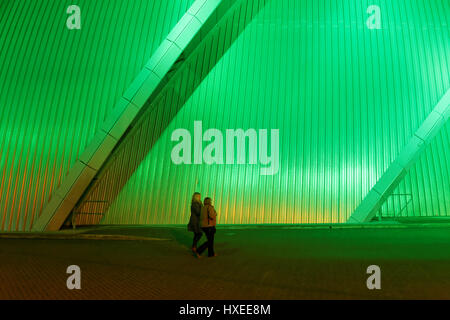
(253, 263)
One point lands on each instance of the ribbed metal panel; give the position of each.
(58, 85)
(182, 81)
(345, 99)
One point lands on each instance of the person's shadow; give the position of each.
(183, 237)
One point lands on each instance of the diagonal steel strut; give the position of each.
(407, 157)
(171, 56)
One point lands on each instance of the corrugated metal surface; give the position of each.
(58, 85)
(345, 99)
(182, 82)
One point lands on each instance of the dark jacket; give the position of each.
(194, 221)
(208, 216)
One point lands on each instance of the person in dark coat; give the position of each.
(194, 221)
(208, 223)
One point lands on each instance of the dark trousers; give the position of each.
(209, 232)
(197, 237)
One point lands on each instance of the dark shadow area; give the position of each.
(253, 263)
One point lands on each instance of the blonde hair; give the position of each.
(194, 199)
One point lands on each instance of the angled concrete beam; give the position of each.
(198, 21)
(193, 66)
(407, 157)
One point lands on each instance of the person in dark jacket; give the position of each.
(208, 223)
(194, 221)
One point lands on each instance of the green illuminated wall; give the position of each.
(345, 99)
(57, 86)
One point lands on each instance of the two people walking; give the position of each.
(203, 219)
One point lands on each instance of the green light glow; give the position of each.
(345, 99)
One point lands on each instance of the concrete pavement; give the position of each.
(265, 262)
